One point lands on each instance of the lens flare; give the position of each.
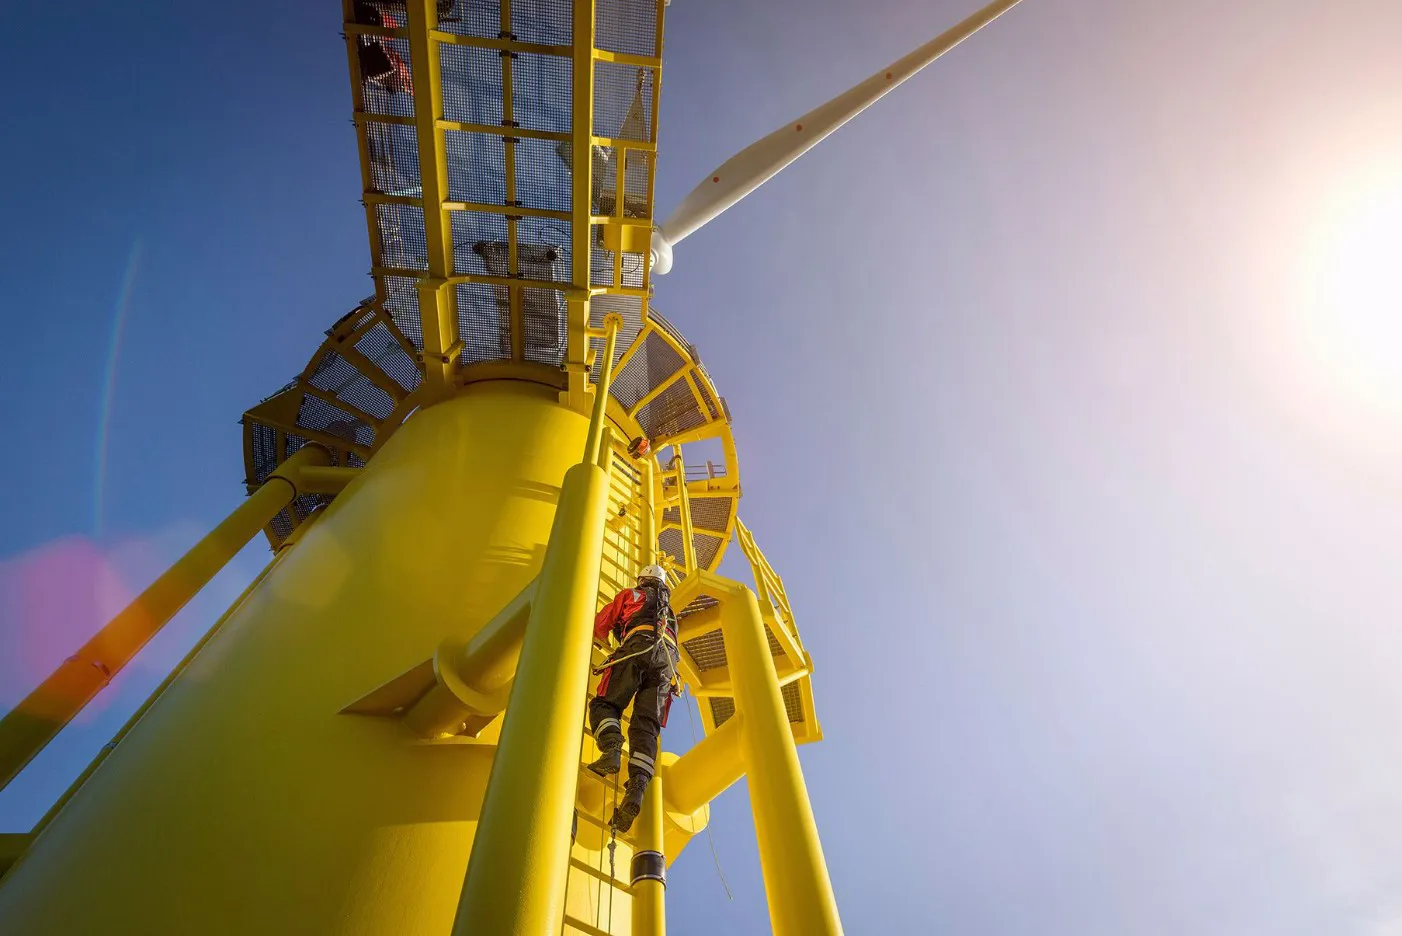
(109, 385)
(1354, 288)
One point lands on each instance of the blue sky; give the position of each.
(1067, 385)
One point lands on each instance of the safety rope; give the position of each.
(613, 846)
(709, 839)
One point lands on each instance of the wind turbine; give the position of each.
(765, 158)
(383, 733)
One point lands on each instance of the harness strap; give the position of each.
(647, 629)
(614, 661)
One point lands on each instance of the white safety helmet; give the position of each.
(653, 572)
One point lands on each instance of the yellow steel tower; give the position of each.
(384, 734)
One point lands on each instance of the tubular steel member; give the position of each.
(649, 877)
(648, 533)
(32, 724)
(708, 769)
(684, 513)
(523, 842)
(612, 322)
(801, 901)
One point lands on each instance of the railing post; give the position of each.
(684, 513)
(32, 724)
(801, 901)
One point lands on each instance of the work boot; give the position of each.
(608, 762)
(632, 804)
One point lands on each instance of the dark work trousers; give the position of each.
(645, 679)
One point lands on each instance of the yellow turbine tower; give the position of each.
(384, 734)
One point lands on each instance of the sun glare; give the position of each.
(1355, 287)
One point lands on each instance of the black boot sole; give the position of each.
(623, 817)
(606, 769)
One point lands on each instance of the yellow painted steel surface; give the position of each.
(241, 802)
(523, 846)
(650, 897)
(796, 879)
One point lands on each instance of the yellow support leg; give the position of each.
(796, 879)
(515, 883)
(26, 730)
(649, 877)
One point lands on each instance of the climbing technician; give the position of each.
(642, 670)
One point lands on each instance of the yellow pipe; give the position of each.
(796, 879)
(648, 529)
(515, 882)
(601, 390)
(649, 878)
(321, 480)
(606, 450)
(489, 660)
(32, 724)
(707, 770)
(684, 510)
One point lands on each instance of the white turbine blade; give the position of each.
(753, 166)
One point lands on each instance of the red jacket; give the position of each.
(619, 613)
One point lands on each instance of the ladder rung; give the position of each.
(598, 875)
(576, 923)
(593, 820)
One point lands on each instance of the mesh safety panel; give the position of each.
(403, 241)
(472, 84)
(544, 323)
(651, 364)
(265, 454)
(543, 178)
(629, 308)
(380, 347)
(471, 18)
(711, 513)
(671, 413)
(703, 387)
(547, 22)
(628, 26)
(316, 413)
(699, 603)
(774, 647)
(335, 374)
(623, 101)
(394, 159)
(708, 650)
(670, 542)
(542, 86)
(722, 709)
(793, 702)
(401, 301)
(281, 525)
(661, 322)
(706, 549)
(476, 168)
(484, 323)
